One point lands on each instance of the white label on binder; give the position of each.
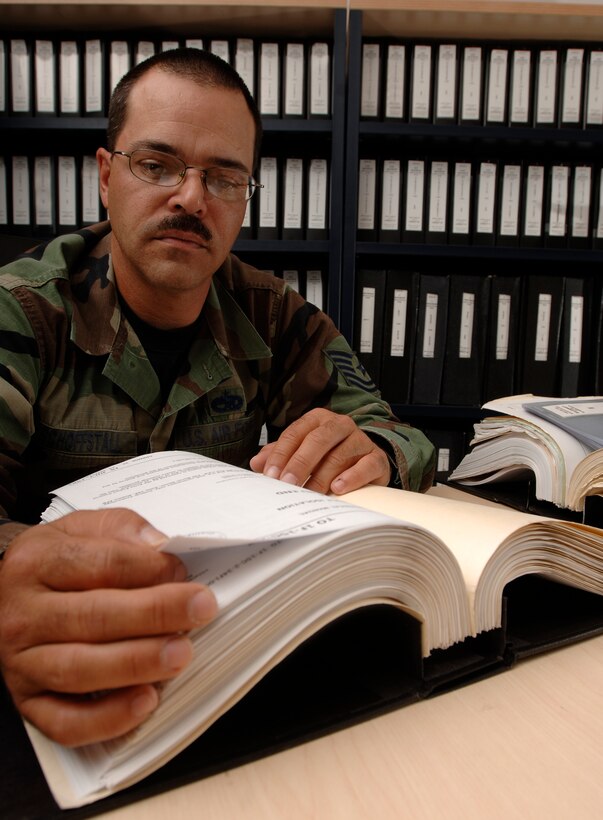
(497, 85)
(486, 197)
(369, 89)
(547, 87)
(461, 203)
(594, 99)
(572, 86)
(221, 49)
(3, 194)
(443, 460)
(472, 84)
(581, 198)
(399, 314)
(94, 76)
(543, 325)
(195, 42)
(367, 181)
(421, 83)
(20, 76)
(415, 193)
(90, 190)
(314, 288)
(390, 196)
(395, 82)
(575, 334)
(3, 74)
(170, 45)
(45, 77)
(534, 201)
(519, 110)
(559, 196)
(438, 197)
(67, 187)
(446, 83)
(294, 175)
(21, 204)
(43, 203)
(144, 50)
(268, 199)
(291, 277)
(599, 227)
(269, 78)
(466, 331)
(317, 194)
(294, 79)
(503, 326)
(320, 79)
(509, 209)
(431, 324)
(246, 223)
(70, 78)
(367, 320)
(119, 61)
(245, 62)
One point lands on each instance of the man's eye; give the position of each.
(226, 182)
(151, 168)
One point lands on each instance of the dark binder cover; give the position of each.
(446, 83)
(21, 78)
(593, 104)
(557, 207)
(119, 62)
(70, 79)
(580, 223)
(45, 78)
(218, 46)
(521, 88)
(315, 288)
(502, 345)
(269, 80)
(248, 226)
(471, 85)
(68, 193)
(395, 103)
(294, 91)
(293, 199)
(390, 201)
(438, 202)
(400, 335)
(468, 307)
(533, 205)
(576, 352)
(497, 87)
(546, 89)
(421, 83)
(368, 187)
(4, 198)
(3, 77)
(414, 200)
(20, 188)
(541, 325)
(95, 82)
(450, 447)
(509, 205)
(142, 50)
(369, 320)
(461, 204)
(269, 197)
(92, 209)
(431, 339)
(485, 202)
(597, 374)
(245, 62)
(317, 199)
(370, 82)
(44, 196)
(571, 109)
(319, 80)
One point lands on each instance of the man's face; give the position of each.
(168, 242)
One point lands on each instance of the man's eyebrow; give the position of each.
(212, 162)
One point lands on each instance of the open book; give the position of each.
(283, 562)
(552, 439)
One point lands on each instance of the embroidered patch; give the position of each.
(227, 403)
(351, 369)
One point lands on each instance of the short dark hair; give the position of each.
(200, 66)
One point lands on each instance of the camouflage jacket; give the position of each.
(77, 391)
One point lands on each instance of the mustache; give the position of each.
(186, 223)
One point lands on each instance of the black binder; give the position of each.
(317, 199)
(438, 202)
(471, 85)
(19, 186)
(400, 334)
(395, 102)
(593, 104)
(509, 205)
(580, 223)
(3, 78)
(368, 320)
(370, 83)
(557, 206)
(293, 199)
(431, 339)
(70, 79)
(446, 83)
(44, 195)
(245, 62)
(21, 77)
(268, 204)
(461, 203)
(450, 447)
(542, 305)
(390, 201)
(367, 214)
(414, 201)
(533, 205)
(269, 80)
(319, 80)
(421, 83)
(68, 193)
(95, 83)
(45, 78)
(462, 380)
(502, 346)
(294, 80)
(546, 89)
(521, 88)
(497, 86)
(571, 109)
(485, 202)
(577, 352)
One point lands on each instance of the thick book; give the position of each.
(558, 441)
(291, 561)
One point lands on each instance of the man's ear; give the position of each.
(103, 160)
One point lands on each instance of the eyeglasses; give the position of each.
(166, 170)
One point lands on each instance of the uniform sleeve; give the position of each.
(315, 367)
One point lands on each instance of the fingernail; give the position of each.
(202, 607)
(289, 478)
(273, 472)
(176, 653)
(152, 537)
(145, 703)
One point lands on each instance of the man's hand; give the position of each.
(324, 451)
(92, 616)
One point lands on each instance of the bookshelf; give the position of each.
(531, 26)
(306, 22)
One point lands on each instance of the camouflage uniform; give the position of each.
(77, 391)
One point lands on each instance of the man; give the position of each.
(147, 335)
